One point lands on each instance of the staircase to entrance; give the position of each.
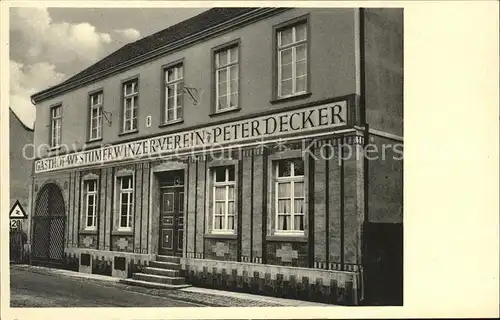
(163, 273)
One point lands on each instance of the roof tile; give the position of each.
(171, 34)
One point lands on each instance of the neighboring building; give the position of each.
(21, 163)
(130, 176)
(20, 135)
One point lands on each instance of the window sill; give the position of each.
(216, 113)
(127, 133)
(291, 98)
(166, 124)
(94, 140)
(229, 236)
(55, 148)
(122, 233)
(287, 238)
(88, 231)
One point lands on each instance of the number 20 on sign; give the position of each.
(15, 224)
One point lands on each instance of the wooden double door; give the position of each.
(171, 221)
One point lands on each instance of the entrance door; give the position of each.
(171, 221)
(384, 264)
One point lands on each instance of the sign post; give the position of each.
(17, 236)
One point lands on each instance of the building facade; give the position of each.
(234, 140)
(20, 135)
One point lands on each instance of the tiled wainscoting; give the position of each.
(328, 286)
(111, 263)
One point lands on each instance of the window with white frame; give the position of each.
(95, 116)
(126, 201)
(223, 199)
(55, 125)
(292, 60)
(226, 78)
(289, 196)
(130, 106)
(90, 203)
(174, 87)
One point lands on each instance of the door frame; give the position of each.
(155, 177)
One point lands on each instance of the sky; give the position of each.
(49, 45)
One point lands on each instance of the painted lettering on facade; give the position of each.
(240, 132)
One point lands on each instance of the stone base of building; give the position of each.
(327, 286)
(318, 285)
(110, 263)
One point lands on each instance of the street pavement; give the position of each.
(44, 287)
(30, 288)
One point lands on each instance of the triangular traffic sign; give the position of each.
(17, 211)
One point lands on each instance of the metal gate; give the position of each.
(48, 225)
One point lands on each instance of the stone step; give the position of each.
(158, 279)
(162, 272)
(154, 285)
(172, 259)
(165, 265)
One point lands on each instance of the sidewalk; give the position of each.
(207, 297)
(61, 272)
(254, 297)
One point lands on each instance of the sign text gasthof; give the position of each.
(304, 120)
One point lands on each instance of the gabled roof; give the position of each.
(155, 41)
(13, 114)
